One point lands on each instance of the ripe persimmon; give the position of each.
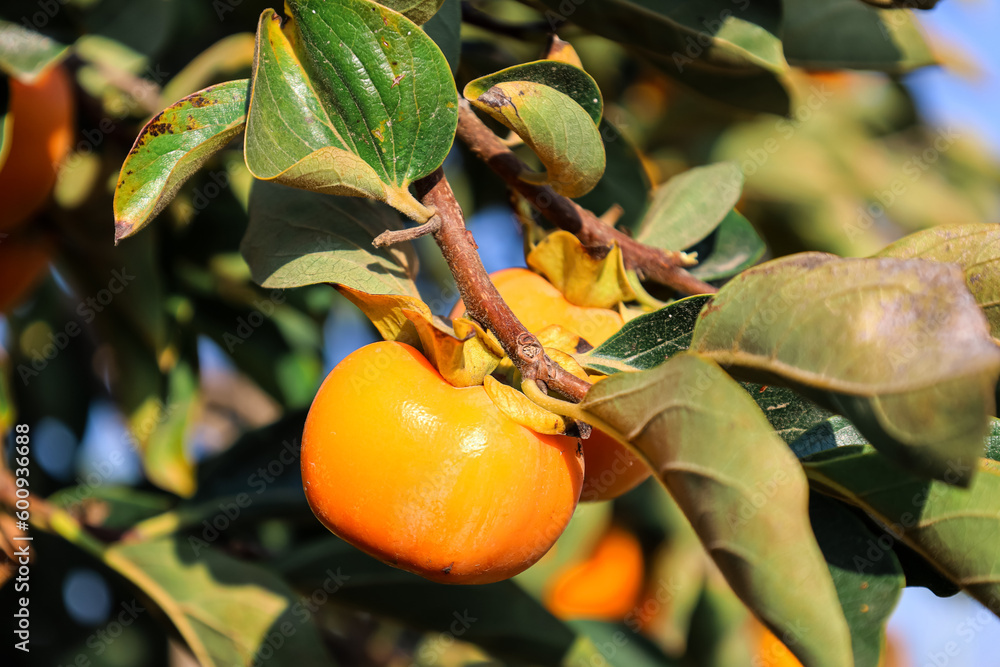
(433, 478)
(23, 261)
(537, 303)
(606, 586)
(611, 468)
(42, 117)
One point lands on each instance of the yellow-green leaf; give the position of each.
(560, 131)
(522, 409)
(171, 148)
(586, 277)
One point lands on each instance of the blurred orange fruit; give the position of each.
(604, 587)
(433, 478)
(23, 261)
(42, 114)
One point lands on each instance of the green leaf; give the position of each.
(554, 126)
(648, 340)
(26, 54)
(501, 618)
(954, 529)
(620, 645)
(993, 441)
(418, 11)
(625, 181)
(688, 207)
(790, 414)
(740, 487)
(173, 146)
(114, 507)
(899, 346)
(300, 238)
(868, 590)
(445, 29)
(975, 248)
(349, 98)
(223, 608)
(164, 455)
(567, 79)
(838, 34)
(736, 247)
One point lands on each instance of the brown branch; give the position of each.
(665, 267)
(482, 300)
(394, 236)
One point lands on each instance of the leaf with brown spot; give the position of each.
(554, 107)
(173, 146)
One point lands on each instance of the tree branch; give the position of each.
(665, 267)
(482, 300)
(393, 236)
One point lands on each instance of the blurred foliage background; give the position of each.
(162, 402)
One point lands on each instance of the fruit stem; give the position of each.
(577, 413)
(662, 266)
(482, 300)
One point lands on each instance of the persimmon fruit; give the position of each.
(611, 468)
(23, 261)
(606, 586)
(537, 303)
(432, 478)
(42, 114)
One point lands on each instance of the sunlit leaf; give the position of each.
(585, 277)
(568, 79)
(173, 146)
(954, 529)
(899, 346)
(349, 98)
(300, 238)
(688, 207)
(463, 352)
(26, 54)
(224, 608)
(522, 409)
(648, 340)
(561, 132)
(975, 248)
(740, 487)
